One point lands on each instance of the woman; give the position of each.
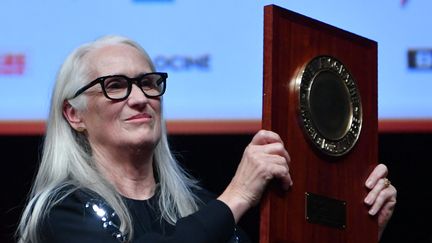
(107, 174)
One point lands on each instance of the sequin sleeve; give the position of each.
(81, 221)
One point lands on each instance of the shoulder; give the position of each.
(79, 215)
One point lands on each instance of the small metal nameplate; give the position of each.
(326, 211)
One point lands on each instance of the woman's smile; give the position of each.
(141, 117)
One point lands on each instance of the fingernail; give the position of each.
(369, 183)
(372, 211)
(367, 200)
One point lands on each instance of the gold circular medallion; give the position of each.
(330, 105)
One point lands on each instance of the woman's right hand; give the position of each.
(264, 159)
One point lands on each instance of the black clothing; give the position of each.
(85, 217)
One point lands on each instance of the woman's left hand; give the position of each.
(381, 198)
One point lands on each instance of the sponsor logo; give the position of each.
(182, 63)
(420, 58)
(12, 64)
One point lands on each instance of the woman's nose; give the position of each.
(137, 95)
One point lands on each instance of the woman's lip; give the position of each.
(139, 116)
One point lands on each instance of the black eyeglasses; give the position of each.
(119, 87)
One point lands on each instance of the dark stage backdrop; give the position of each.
(213, 159)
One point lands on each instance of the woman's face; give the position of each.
(132, 123)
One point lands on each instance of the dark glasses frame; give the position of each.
(130, 81)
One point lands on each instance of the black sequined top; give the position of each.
(84, 217)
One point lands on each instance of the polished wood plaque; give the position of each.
(325, 203)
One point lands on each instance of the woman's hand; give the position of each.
(264, 159)
(382, 196)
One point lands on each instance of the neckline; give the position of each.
(150, 199)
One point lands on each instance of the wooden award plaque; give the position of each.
(320, 96)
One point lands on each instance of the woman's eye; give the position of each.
(115, 84)
(146, 83)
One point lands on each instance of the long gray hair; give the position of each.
(67, 157)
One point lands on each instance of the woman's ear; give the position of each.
(73, 116)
